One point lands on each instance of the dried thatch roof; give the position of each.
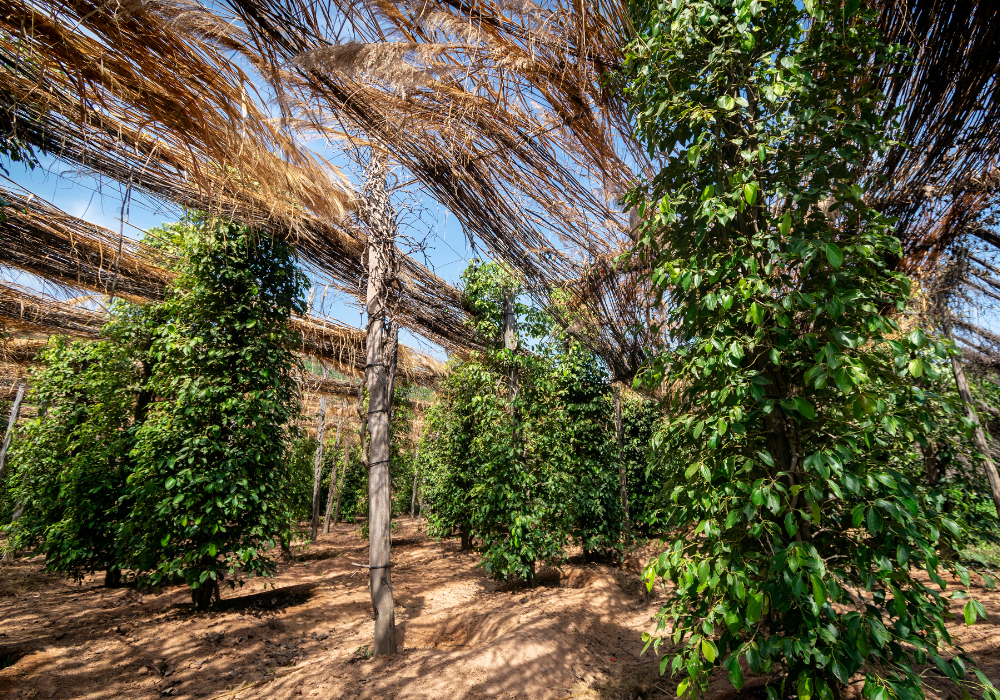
(505, 112)
(40, 238)
(146, 95)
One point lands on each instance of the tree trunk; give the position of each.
(466, 539)
(393, 350)
(622, 476)
(978, 436)
(15, 412)
(377, 214)
(343, 478)
(413, 498)
(113, 578)
(318, 468)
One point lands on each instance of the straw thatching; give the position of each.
(40, 238)
(504, 112)
(507, 114)
(148, 97)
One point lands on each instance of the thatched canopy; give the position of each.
(505, 113)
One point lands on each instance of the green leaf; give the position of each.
(170, 482)
(757, 313)
(785, 225)
(834, 255)
(819, 589)
(735, 673)
(750, 192)
(212, 549)
(804, 407)
(726, 102)
(754, 607)
(709, 650)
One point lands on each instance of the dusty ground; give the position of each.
(461, 634)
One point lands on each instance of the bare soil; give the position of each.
(306, 633)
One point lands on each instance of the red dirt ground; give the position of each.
(577, 635)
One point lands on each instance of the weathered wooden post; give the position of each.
(343, 478)
(318, 468)
(978, 436)
(333, 475)
(413, 498)
(377, 213)
(15, 412)
(622, 475)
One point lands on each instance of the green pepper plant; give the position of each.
(801, 548)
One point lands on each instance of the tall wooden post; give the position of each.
(343, 479)
(15, 412)
(978, 436)
(622, 475)
(513, 387)
(510, 343)
(413, 498)
(377, 214)
(333, 476)
(318, 468)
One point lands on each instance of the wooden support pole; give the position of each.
(978, 436)
(377, 214)
(333, 476)
(343, 478)
(413, 498)
(318, 467)
(15, 412)
(513, 386)
(622, 475)
(362, 424)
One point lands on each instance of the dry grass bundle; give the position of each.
(940, 181)
(41, 239)
(24, 310)
(522, 138)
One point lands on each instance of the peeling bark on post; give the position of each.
(377, 214)
(622, 476)
(318, 468)
(978, 436)
(15, 412)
